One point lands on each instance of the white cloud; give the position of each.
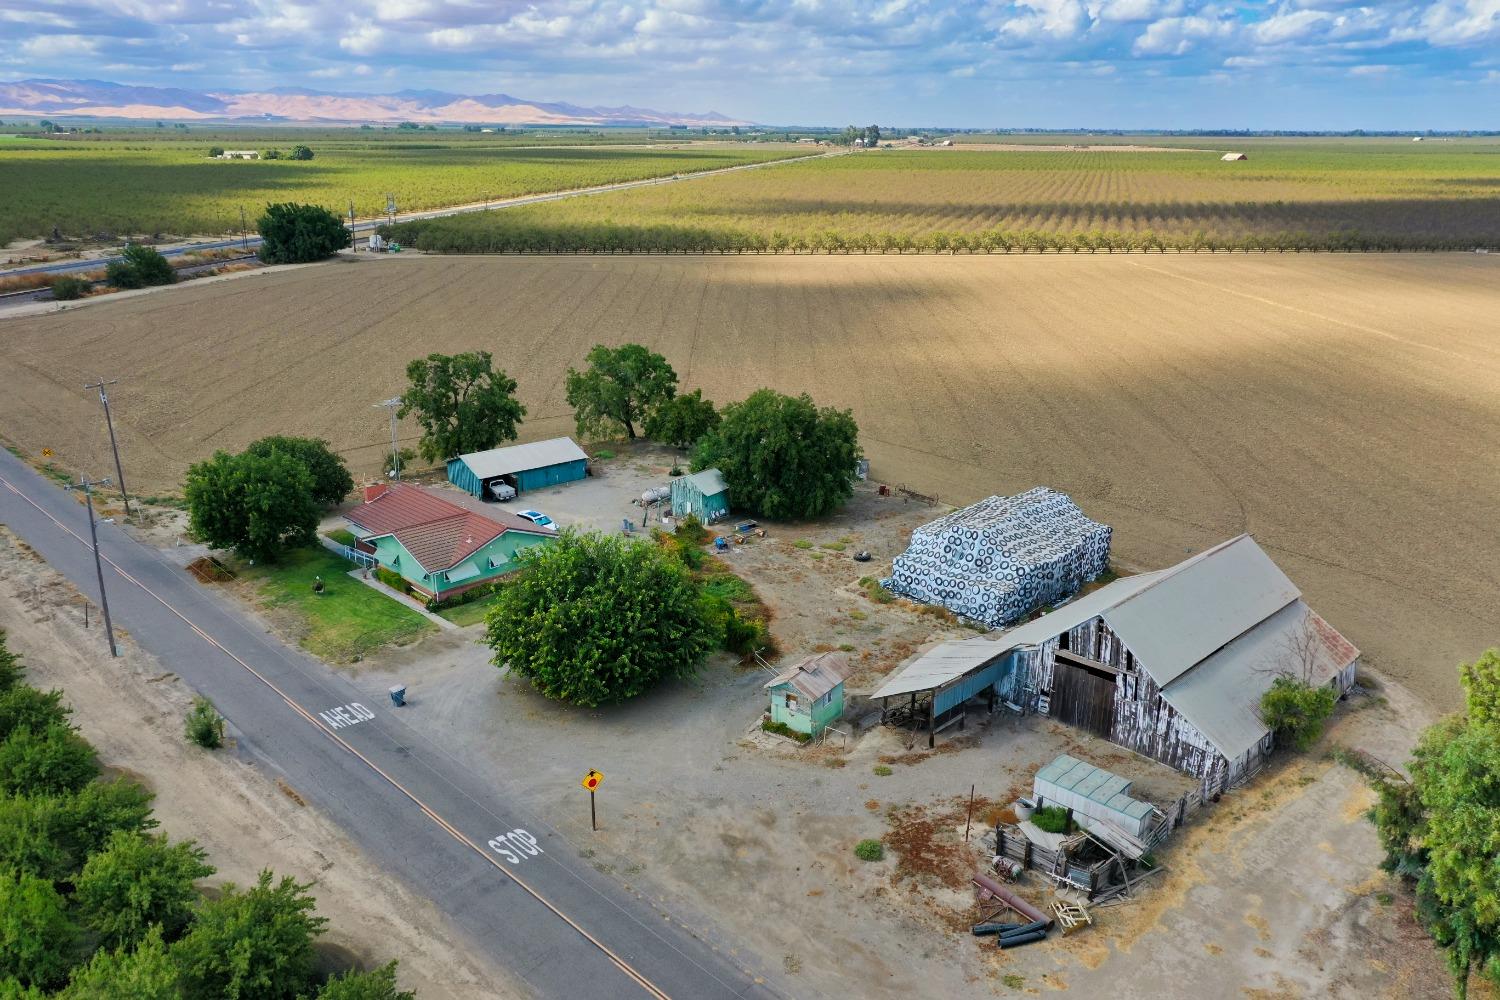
(1043, 19)
(1176, 36)
(59, 46)
(1288, 27)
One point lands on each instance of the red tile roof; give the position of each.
(437, 532)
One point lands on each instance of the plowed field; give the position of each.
(1346, 410)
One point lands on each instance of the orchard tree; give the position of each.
(36, 933)
(783, 457)
(597, 618)
(377, 984)
(1441, 828)
(256, 504)
(462, 402)
(139, 881)
(683, 420)
(251, 944)
(146, 973)
(621, 386)
(296, 234)
(330, 477)
(301, 153)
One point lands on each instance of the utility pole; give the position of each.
(85, 484)
(110, 423)
(353, 244)
(393, 404)
(244, 239)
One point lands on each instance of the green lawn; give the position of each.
(471, 613)
(347, 620)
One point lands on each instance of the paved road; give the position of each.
(369, 225)
(517, 888)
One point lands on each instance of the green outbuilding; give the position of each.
(704, 495)
(521, 467)
(809, 696)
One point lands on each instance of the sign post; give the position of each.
(591, 782)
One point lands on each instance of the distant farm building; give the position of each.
(1002, 558)
(240, 154)
(439, 546)
(523, 466)
(1234, 156)
(704, 495)
(809, 695)
(1171, 664)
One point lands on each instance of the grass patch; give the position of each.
(603, 454)
(858, 615)
(344, 622)
(874, 591)
(471, 613)
(882, 771)
(833, 546)
(802, 543)
(869, 850)
(1014, 981)
(341, 535)
(729, 587)
(816, 555)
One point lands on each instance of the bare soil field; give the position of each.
(1345, 410)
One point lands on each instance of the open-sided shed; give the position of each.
(524, 466)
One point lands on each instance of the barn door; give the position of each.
(1083, 697)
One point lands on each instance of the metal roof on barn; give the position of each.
(709, 482)
(520, 457)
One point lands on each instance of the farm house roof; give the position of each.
(436, 531)
(520, 457)
(814, 676)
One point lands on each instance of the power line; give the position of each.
(87, 485)
(110, 423)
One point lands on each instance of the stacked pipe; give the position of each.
(1011, 935)
(1002, 558)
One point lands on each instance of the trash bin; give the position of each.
(398, 695)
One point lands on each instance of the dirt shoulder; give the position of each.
(131, 709)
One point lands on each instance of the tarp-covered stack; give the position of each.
(1003, 558)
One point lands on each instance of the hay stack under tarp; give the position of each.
(1003, 558)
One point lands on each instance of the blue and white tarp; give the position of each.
(1003, 558)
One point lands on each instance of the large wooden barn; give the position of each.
(1171, 664)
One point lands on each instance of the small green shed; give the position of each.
(704, 494)
(809, 696)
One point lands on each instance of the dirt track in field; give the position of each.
(1345, 410)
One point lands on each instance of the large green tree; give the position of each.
(1442, 828)
(47, 761)
(296, 234)
(783, 457)
(598, 618)
(52, 835)
(37, 937)
(136, 882)
(11, 670)
(377, 984)
(256, 504)
(251, 944)
(621, 386)
(145, 973)
(682, 420)
(23, 705)
(462, 402)
(330, 477)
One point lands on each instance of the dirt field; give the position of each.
(132, 711)
(1346, 410)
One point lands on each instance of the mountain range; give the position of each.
(101, 99)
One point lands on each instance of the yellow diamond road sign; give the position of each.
(593, 780)
(46, 452)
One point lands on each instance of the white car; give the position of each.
(502, 490)
(537, 518)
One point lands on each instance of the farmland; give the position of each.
(1290, 194)
(174, 188)
(1343, 409)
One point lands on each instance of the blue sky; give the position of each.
(1053, 63)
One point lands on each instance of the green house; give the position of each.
(704, 495)
(439, 546)
(809, 696)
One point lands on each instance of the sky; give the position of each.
(1290, 64)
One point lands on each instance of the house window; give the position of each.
(791, 703)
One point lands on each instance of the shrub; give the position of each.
(65, 288)
(869, 850)
(782, 729)
(205, 726)
(882, 771)
(392, 579)
(215, 151)
(148, 264)
(1295, 710)
(691, 531)
(802, 543)
(1052, 819)
(295, 234)
(119, 274)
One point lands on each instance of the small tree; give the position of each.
(621, 387)
(330, 477)
(149, 264)
(254, 504)
(301, 153)
(205, 726)
(11, 670)
(36, 933)
(270, 154)
(462, 403)
(598, 618)
(119, 274)
(48, 761)
(296, 234)
(377, 984)
(51, 835)
(24, 706)
(251, 943)
(66, 287)
(137, 882)
(683, 420)
(215, 152)
(147, 973)
(782, 457)
(1295, 710)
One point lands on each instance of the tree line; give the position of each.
(96, 904)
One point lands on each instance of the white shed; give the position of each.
(1234, 156)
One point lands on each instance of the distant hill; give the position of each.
(101, 99)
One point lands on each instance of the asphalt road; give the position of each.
(516, 887)
(369, 225)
